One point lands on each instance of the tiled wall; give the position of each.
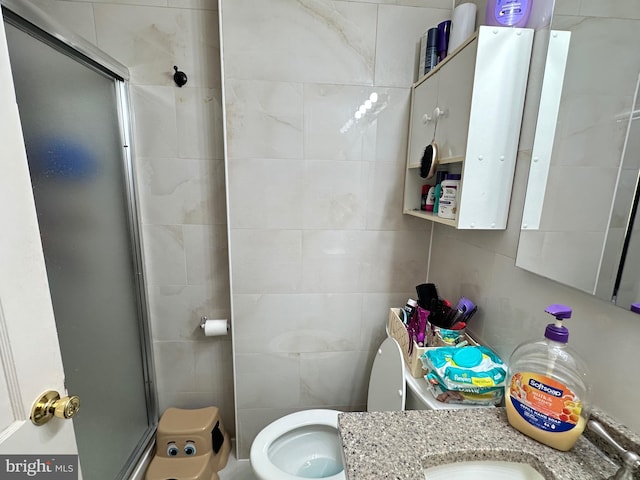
(319, 247)
(181, 181)
(481, 265)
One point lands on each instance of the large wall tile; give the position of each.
(266, 193)
(573, 206)
(332, 261)
(266, 261)
(329, 133)
(176, 310)
(148, 3)
(414, 3)
(332, 131)
(199, 121)
(385, 191)
(172, 359)
(181, 191)
(155, 129)
(270, 113)
(213, 365)
(197, 4)
(150, 41)
(392, 122)
(393, 261)
(550, 252)
(298, 323)
(267, 380)
(332, 378)
(335, 195)
(589, 132)
(76, 17)
(206, 253)
(363, 261)
(459, 269)
(309, 41)
(619, 8)
(164, 254)
(592, 38)
(375, 316)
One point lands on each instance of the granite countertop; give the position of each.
(399, 445)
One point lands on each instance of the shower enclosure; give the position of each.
(75, 121)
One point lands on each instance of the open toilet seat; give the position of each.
(387, 384)
(261, 457)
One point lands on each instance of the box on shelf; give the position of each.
(398, 331)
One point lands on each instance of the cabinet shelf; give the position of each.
(475, 97)
(431, 216)
(442, 161)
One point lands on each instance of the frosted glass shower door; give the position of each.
(72, 129)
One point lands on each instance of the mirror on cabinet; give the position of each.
(578, 220)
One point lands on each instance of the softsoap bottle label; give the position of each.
(510, 12)
(544, 402)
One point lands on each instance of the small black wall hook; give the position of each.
(179, 77)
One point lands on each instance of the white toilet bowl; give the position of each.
(304, 444)
(307, 444)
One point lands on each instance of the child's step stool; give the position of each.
(190, 445)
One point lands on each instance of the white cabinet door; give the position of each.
(455, 100)
(31, 360)
(424, 102)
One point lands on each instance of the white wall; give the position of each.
(319, 247)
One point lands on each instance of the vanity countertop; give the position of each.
(399, 445)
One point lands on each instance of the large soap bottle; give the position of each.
(508, 13)
(547, 392)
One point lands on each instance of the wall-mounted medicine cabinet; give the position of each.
(473, 101)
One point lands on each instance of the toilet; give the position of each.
(306, 444)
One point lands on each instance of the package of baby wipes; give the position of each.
(473, 369)
(489, 397)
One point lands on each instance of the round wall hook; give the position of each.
(179, 77)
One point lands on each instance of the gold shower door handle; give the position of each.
(50, 405)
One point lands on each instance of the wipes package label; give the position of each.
(544, 402)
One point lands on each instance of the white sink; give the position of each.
(482, 470)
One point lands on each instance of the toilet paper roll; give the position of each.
(463, 24)
(215, 328)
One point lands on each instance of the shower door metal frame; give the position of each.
(33, 21)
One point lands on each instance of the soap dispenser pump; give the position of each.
(547, 392)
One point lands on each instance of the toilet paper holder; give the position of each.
(209, 327)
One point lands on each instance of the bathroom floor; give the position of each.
(237, 469)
